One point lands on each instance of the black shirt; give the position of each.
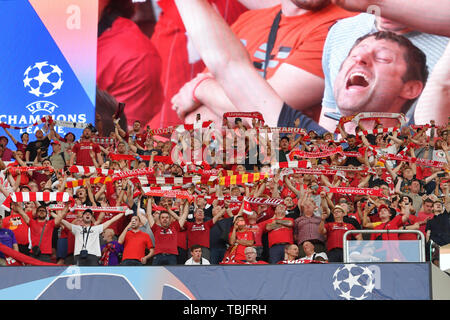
(33, 147)
(440, 228)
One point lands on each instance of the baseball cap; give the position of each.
(339, 207)
(382, 206)
(88, 211)
(55, 142)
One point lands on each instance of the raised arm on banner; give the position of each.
(149, 212)
(417, 14)
(228, 60)
(185, 212)
(61, 215)
(10, 136)
(108, 223)
(17, 207)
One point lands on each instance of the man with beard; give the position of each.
(299, 29)
(394, 68)
(41, 231)
(83, 150)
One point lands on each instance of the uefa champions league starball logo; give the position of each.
(353, 282)
(43, 79)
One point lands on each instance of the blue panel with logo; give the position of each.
(36, 79)
(386, 281)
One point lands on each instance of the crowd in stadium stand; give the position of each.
(349, 130)
(304, 203)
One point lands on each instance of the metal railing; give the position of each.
(419, 234)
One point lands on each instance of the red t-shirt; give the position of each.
(240, 249)
(422, 216)
(299, 42)
(36, 231)
(257, 230)
(135, 244)
(412, 219)
(335, 233)
(140, 139)
(166, 239)
(21, 147)
(198, 233)
(66, 233)
(16, 224)
(82, 149)
(394, 224)
(182, 238)
(280, 235)
(129, 68)
(117, 226)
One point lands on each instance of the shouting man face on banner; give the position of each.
(384, 72)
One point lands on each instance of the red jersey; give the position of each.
(198, 233)
(299, 42)
(36, 231)
(335, 233)
(257, 230)
(166, 239)
(240, 249)
(422, 216)
(21, 147)
(135, 244)
(129, 68)
(393, 224)
(16, 224)
(280, 235)
(412, 219)
(117, 226)
(139, 138)
(182, 239)
(66, 233)
(82, 152)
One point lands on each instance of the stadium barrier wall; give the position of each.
(332, 281)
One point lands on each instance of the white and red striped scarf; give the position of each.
(179, 194)
(91, 170)
(41, 196)
(56, 207)
(291, 164)
(16, 170)
(318, 154)
(147, 180)
(132, 173)
(377, 131)
(37, 196)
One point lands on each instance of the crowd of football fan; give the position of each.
(209, 226)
